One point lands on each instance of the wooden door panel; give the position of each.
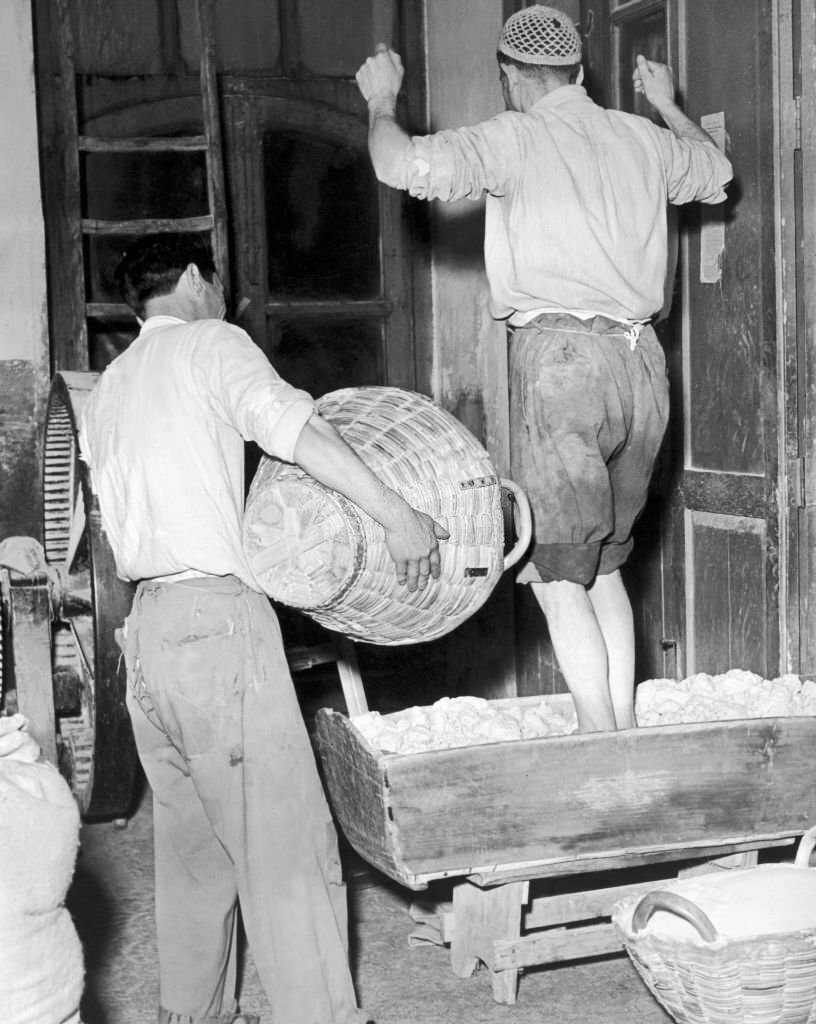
(725, 593)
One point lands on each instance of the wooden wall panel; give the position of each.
(731, 321)
(118, 37)
(248, 35)
(345, 38)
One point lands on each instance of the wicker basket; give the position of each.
(312, 549)
(708, 977)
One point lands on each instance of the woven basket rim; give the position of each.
(623, 913)
(721, 943)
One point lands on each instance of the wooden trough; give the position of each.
(497, 815)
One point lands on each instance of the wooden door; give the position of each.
(728, 522)
(795, 108)
(706, 582)
(321, 256)
(327, 272)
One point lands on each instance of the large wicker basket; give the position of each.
(707, 977)
(312, 549)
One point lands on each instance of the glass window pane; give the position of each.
(321, 356)
(106, 340)
(321, 219)
(645, 34)
(121, 186)
(102, 255)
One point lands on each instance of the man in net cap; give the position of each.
(576, 256)
(541, 35)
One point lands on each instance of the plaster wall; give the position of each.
(470, 351)
(469, 360)
(24, 332)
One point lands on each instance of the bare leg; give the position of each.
(613, 612)
(580, 648)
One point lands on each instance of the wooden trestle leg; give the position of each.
(483, 916)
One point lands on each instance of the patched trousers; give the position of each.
(240, 816)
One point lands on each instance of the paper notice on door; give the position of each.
(712, 229)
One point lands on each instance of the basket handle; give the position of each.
(523, 523)
(806, 844)
(660, 899)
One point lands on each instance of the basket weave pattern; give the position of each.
(757, 981)
(767, 978)
(311, 548)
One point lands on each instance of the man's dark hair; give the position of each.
(153, 265)
(566, 73)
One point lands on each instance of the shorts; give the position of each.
(588, 411)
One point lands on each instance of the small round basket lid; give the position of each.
(311, 548)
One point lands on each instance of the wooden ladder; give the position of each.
(73, 351)
(80, 228)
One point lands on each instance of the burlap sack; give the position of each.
(41, 968)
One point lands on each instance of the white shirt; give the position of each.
(575, 214)
(163, 433)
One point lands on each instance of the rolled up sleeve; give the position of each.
(252, 396)
(696, 171)
(464, 163)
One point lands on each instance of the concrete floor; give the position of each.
(398, 983)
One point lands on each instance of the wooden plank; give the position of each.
(145, 144)
(803, 267)
(146, 226)
(384, 24)
(351, 681)
(69, 335)
(321, 308)
(611, 794)
(205, 13)
(301, 658)
(30, 613)
(566, 908)
(745, 859)
(556, 946)
(586, 861)
(109, 311)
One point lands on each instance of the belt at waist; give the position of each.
(592, 323)
(227, 584)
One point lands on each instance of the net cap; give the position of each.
(541, 35)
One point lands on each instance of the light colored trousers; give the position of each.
(239, 811)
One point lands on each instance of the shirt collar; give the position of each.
(564, 95)
(161, 320)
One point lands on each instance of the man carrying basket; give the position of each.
(239, 813)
